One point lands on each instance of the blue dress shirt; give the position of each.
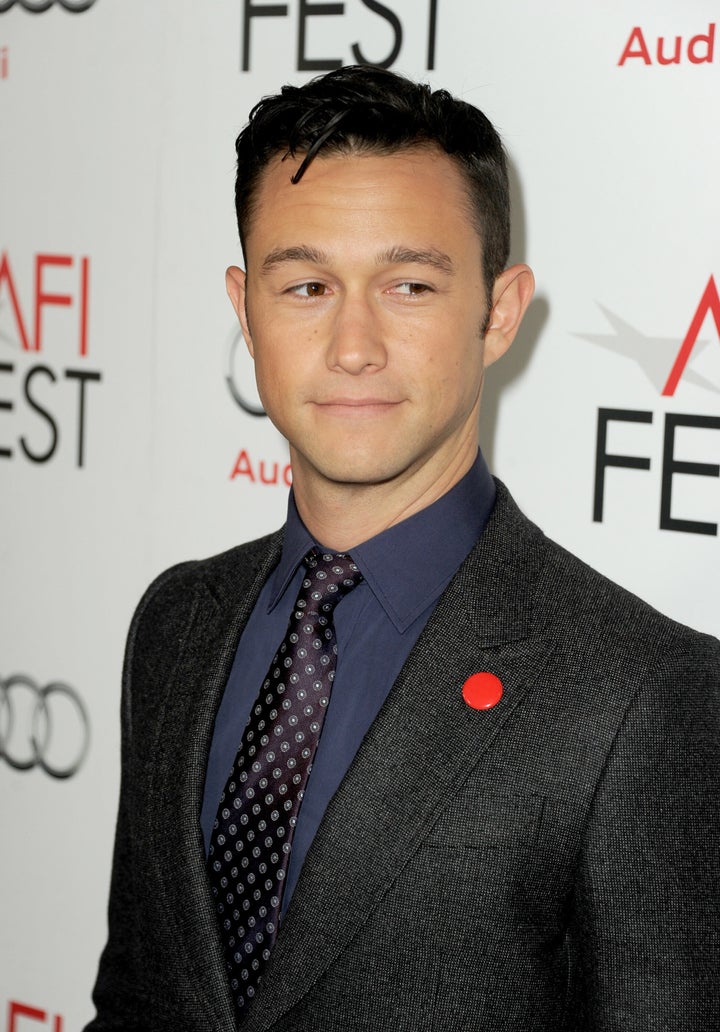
(405, 569)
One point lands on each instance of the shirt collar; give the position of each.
(408, 565)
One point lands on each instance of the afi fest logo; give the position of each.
(43, 408)
(42, 728)
(21, 1014)
(40, 6)
(381, 46)
(667, 363)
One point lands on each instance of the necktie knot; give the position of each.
(329, 576)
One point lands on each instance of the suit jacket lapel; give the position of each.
(425, 737)
(222, 605)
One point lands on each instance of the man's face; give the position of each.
(363, 308)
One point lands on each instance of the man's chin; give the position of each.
(353, 471)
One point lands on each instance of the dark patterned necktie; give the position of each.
(252, 837)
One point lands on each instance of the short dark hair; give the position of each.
(365, 109)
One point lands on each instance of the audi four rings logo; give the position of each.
(240, 374)
(38, 6)
(45, 727)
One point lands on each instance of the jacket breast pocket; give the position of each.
(475, 911)
(483, 844)
(485, 863)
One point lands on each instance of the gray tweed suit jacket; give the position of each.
(552, 863)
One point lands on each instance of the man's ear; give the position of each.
(512, 293)
(235, 282)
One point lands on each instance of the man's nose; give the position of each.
(356, 340)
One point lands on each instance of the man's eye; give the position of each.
(412, 289)
(309, 289)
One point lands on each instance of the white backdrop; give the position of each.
(119, 433)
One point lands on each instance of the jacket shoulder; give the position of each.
(591, 613)
(163, 615)
(218, 573)
(610, 614)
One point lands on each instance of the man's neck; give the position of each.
(341, 516)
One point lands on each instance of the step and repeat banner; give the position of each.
(131, 434)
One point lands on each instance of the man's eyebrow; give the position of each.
(298, 253)
(397, 255)
(410, 256)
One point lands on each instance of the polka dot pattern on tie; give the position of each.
(252, 837)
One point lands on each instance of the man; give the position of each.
(512, 817)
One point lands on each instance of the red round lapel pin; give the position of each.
(482, 691)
